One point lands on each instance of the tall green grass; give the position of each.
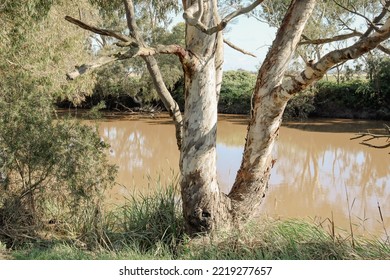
(286, 240)
(151, 227)
(148, 222)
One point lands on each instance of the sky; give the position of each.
(250, 35)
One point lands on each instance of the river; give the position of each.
(320, 174)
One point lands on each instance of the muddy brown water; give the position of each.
(320, 174)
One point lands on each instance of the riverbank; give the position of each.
(356, 98)
(151, 227)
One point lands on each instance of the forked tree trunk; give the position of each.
(205, 207)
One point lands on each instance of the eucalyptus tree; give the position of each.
(205, 207)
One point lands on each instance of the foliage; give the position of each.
(300, 106)
(352, 99)
(177, 93)
(236, 91)
(154, 12)
(380, 82)
(36, 45)
(53, 171)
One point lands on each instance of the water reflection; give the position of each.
(316, 172)
(145, 152)
(317, 167)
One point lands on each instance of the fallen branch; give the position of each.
(372, 136)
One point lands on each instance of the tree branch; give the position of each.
(99, 31)
(355, 12)
(321, 41)
(131, 53)
(317, 71)
(384, 49)
(154, 71)
(84, 68)
(378, 18)
(193, 15)
(137, 47)
(131, 22)
(233, 46)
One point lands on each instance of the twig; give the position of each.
(383, 222)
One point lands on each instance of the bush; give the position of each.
(300, 106)
(352, 99)
(53, 172)
(236, 91)
(381, 84)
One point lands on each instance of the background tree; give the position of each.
(205, 207)
(128, 82)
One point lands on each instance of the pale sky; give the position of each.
(250, 35)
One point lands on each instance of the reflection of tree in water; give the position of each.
(315, 170)
(125, 145)
(141, 148)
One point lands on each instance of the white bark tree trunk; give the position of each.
(204, 205)
(267, 109)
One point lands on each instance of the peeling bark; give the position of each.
(204, 206)
(267, 108)
(316, 71)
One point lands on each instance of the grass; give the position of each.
(151, 227)
(288, 240)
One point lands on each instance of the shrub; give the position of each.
(236, 91)
(53, 172)
(300, 106)
(354, 98)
